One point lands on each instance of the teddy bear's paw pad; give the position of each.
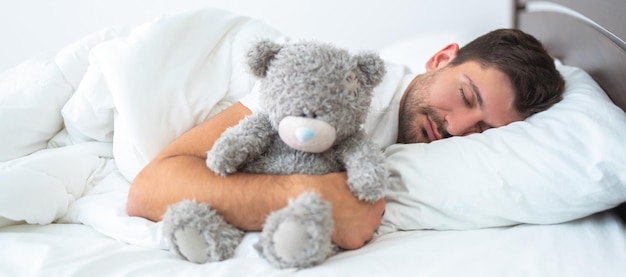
(291, 242)
(198, 234)
(298, 235)
(296, 244)
(191, 245)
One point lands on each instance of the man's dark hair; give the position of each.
(536, 82)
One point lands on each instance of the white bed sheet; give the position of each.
(593, 246)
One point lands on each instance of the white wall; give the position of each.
(28, 27)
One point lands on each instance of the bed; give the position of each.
(557, 213)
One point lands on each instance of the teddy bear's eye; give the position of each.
(309, 115)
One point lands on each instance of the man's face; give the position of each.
(455, 101)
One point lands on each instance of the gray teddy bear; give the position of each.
(315, 99)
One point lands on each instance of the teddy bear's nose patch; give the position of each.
(306, 134)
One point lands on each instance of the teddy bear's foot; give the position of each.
(299, 234)
(198, 234)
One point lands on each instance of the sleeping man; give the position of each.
(500, 77)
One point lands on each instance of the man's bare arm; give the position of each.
(179, 172)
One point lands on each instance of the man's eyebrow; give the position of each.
(479, 97)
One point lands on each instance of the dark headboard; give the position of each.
(583, 33)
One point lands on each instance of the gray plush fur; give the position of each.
(303, 80)
(310, 215)
(219, 237)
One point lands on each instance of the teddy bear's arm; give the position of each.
(366, 168)
(239, 144)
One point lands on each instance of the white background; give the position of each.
(29, 27)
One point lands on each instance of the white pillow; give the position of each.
(562, 164)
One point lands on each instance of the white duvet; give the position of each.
(84, 121)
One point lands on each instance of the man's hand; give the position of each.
(355, 220)
(354, 229)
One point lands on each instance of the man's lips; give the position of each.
(430, 130)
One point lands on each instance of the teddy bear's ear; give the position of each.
(371, 67)
(260, 55)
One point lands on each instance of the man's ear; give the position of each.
(442, 57)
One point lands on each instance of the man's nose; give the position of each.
(463, 123)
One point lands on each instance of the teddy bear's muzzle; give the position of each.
(306, 134)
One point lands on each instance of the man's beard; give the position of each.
(415, 104)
